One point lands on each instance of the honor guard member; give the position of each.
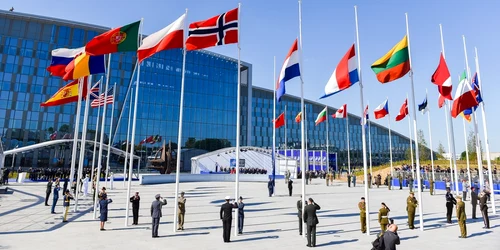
(431, 186)
(181, 211)
(362, 214)
(461, 217)
(135, 200)
(383, 217)
(241, 214)
(290, 187)
(483, 206)
(311, 220)
(400, 177)
(450, 202)
(473, 201)
(411, 205)
(226, 215)
(156, 207)
(299, 214)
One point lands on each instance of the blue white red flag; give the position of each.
(477, 90)
(365, 118)
(345, 75)
(61, 58)
(382, 110)
(94, 91)
(290, 70)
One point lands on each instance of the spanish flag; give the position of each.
(393, 65)
(66, 94)
(84, 65)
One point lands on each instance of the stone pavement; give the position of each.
(270, 222)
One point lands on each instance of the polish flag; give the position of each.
(341, 112)
(170, 37)
(442, 78)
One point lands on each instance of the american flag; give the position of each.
(99, 101)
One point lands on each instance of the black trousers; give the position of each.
(311, 235)
(486, 219)
(154, 226)
(135, 212)
(290, 191)
(300, 225)
(241, 220)
(464, 195)
(47, 195)
(226, 230)
(474, 211)
(449, 211)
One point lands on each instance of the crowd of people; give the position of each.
(242, 170)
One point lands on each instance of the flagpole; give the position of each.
(370, 146)
(390, 142)
(467, 153)
(83, 142)
(238, 122)
(95, 133)
(126, 97)
(452, 133)
(411, 145)
(430, 135)
(363, 136)
(302, 122)
(134, 124)
(348, 142)
(103, 122)
(273, 160)
(286, 157)
(110, 140)
(419, 181)
(327, 144)
(476, 132)
(488, 155)
(127, 141)
(75, 136)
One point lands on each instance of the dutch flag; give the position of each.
(290, 70)
(345, 75)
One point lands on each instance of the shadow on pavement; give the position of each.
(257, 238)
(183, 234)
(336, 242)
(409, 238)
(478, 234)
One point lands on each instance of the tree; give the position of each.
(471, 144)
(423, 150)
(64, 128)
(190, 143)
(211, 144)
(441, 151)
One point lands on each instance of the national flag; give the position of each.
(393, 65)
(382, 110)
(290, 70)
(100, 101)
(298, 118)
(53, 136)
(468, 118)
(442, 78)
(345, 75)
(441, 101)
(364, 119)
(423, 106)
(170, 37)
(341, 112)
(215, 31)
(321, 116)
(464, 98)
(147, 140)
(155, 139)
(403, 111)
(280, 121)
(94, 91)
(477, 91)
(66, 94)
(125, 38)
(84, 65)
(61, 58)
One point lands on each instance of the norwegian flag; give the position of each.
(215, 31)
(98, 102)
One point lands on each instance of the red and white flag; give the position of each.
(442, 78)
(341, 112)
(215, 31)
(100, 101)
(170, 37)
(403, 112)
(441, 101)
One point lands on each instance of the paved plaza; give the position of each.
(270, 222)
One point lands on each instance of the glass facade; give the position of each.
(209, 104)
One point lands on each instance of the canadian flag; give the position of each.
(341, 112)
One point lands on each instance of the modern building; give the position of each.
(26, 42)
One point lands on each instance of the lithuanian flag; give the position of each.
(120, 39)
(393, 65)
(66, 94)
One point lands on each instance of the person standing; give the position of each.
(450, 202)
(465, 189)
(411, 205)
(241, 215)
(226, 215)
(400, 178)
(354, 180)
(389, 181)
(461, 217)
(85, 183)
(370, 180)
(290, 187)
(473, 201)
(483, 206)
(135, 200)
(307, 177)
(391, 238)
(299, 214)
(103, 209)
(410, 183)
(65, 185)
(383, 218)
(67, 198)
(270, 187)
(287, 176)
(327, 178)
(181, 211)
(362, 214)
(47, 192)
(55, 198)
(379, 180)
(431, 186)
(311, 220)
(348, 179)
(156, 207)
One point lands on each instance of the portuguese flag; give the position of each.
(321, 116)
(393, 65)
(116, 40)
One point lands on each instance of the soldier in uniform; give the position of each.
(226, 215)
(327, 178)
(450, 201)
(389, 181)
(400, 177)
(349, 180)
(362, 214)
(369, 180)
(411, 205)
(461, 217)
(431, 186)
(410, 183)
(299, 214)
(383, 217)
(181, 211)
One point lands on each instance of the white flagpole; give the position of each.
(273, 160)
(467, 152)
(238, 122)
(476, 132)
(110, 140)
(96, 129)
(447, 113)
(103, 122)
(430, 134)
(327, 144)
(302, 121)
(369, 144)
(285, 133)
(348, 143)
(83, 142)
(419, 181)
(134, 124)
(128, 138)
(363, 136)
(488, 155)
(451, 135)
(390, 143)
(411, 144)
(75, 136)
(179, 137)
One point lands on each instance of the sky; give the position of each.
(268, 29)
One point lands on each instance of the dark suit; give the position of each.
(270, 186)
(311, 220)
(483, 206)
(290, 187)
(47, 192)
(450, 202)
(156, 215)
(299, 214)
(473, 202)
(226, 215)
(135, 208)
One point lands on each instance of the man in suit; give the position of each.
(349, 180)
(290, 187)
(450, 202)
(311, 220)
(47, 192)
(135, 200)
(270, 187)
(483, 206)
(299, 214)
(473, 201)
(156, 213)
(226, 215)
